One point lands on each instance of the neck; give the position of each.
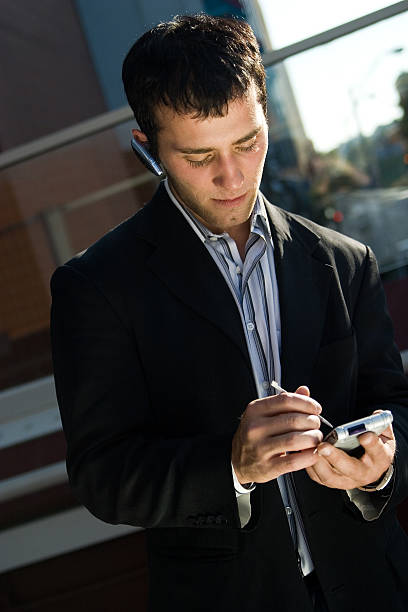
(240, 235)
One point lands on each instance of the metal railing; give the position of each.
(121, 115)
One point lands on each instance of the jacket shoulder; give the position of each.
(326, 243)
(124, 245)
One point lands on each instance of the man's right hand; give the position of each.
(276, 435)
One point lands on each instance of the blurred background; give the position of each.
(338, 107)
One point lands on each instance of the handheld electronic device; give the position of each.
(146, 158)
(345, 436)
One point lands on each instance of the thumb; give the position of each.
(303, 390)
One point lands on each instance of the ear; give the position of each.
(140, 137)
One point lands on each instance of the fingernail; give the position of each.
(325, 451)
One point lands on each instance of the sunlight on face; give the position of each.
(214, 165)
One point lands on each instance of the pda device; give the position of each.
(345, 436)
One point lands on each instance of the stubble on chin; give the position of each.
(213, 220)
(191, 200)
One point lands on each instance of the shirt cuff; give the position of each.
(372, 502)
(381, 483)
(239, 488)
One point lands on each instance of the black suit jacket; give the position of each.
(152, 372)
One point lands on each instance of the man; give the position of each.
(167, 335)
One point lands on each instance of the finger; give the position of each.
(313, 474)
(297, 461)
(276, 466)
(377, 452)
(289, 422)
(303, 390)
(284, 402)
(368, 468)
(323, 473)
(342, 463)
(290, 443)
(387, 436)
(388, 433)
(255, 431)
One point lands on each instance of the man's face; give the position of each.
(214, 165)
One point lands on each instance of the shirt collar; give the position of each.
(259, 219)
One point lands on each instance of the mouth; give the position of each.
(231, 202)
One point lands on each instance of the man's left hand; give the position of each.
(337, 470)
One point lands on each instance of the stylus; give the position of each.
(281, 390)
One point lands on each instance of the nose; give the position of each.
(228, 175)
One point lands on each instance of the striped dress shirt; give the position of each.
(254, 288)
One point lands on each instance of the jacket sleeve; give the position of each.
(118, 466)
(381, 385)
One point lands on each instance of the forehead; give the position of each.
(178, 130)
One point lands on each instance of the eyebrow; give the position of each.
(245, 138)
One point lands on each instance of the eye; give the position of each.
(252, 147)
(201, 162)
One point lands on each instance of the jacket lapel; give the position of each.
(183, 264)
(304, 276)
(303, 273)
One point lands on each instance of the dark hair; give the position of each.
(195, 64)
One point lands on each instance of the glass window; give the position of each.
(339, 142)
(293, 20)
